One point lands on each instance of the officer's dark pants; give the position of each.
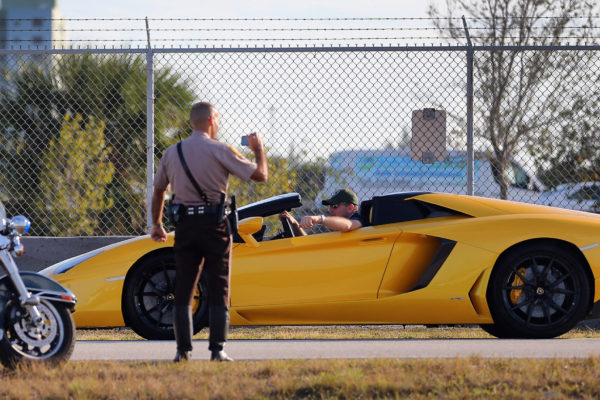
(202, 243)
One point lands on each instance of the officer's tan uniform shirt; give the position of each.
(210, 163)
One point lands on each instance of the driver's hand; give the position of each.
(288, 216)
(308, 221)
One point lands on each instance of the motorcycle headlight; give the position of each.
(21, 224)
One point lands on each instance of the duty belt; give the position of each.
(200, 210)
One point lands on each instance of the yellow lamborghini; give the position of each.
(517, 270)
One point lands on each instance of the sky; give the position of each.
(236, 9)
(202, 9)
(243, 8)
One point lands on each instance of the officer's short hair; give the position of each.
(201, 112)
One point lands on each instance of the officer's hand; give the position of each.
(158, 234)
(255, 142)
(308, 221)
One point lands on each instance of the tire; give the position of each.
(149, 296)
(22, 342)
(538, 291)
(495, 330)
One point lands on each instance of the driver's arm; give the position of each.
(298, 231)
(339, 224)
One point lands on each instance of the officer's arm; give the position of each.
(158, 233)
(158, 203)
(261, 173)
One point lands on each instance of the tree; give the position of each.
(75, 173)
(576, 156)
(518, 93)
(108, 88)
(310, 178)
(29, 105)
(281, 180)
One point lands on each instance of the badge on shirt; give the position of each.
(237, 153)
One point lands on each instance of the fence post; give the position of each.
(470, 151)
(149, 129)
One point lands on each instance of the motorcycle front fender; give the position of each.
(40, 285)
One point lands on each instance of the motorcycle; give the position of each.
(35, 312)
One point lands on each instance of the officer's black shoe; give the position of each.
(219, 356)
(183, 356)
(218, 321)
(182, 327)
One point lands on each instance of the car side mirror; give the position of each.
(247, 227)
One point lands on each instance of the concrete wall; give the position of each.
(41, 252)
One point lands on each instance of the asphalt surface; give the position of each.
(344, 349)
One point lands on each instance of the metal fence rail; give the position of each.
(82, 129)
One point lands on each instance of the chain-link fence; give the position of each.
(82, 130)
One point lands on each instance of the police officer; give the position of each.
(203, 235)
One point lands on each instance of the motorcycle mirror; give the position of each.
(21, 224)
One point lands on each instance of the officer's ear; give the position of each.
(213, 118)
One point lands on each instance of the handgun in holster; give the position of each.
(234, 215)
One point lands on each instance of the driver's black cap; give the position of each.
(342, 196)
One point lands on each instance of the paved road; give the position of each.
(323, 349)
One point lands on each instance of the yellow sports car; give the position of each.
(518, 270)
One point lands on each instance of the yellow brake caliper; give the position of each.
(515, 294)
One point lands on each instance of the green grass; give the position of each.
(461, 378)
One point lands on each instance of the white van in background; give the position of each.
(580, 196)
(375, 172)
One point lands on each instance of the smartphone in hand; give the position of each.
(245, 141)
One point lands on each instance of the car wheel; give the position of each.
(538, 291)
(149, 297)
(495, 330)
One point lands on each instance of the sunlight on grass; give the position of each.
(464, 378)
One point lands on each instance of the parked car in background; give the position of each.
(581, 196)
(369, 172)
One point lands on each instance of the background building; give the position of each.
(30, 24)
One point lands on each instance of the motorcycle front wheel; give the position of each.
(52, 340)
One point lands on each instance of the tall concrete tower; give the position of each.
(30, 24)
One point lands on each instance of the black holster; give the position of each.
(175, 213)
(234, 215)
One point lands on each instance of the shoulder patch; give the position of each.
(237, 153)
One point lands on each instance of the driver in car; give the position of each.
(343, 210)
